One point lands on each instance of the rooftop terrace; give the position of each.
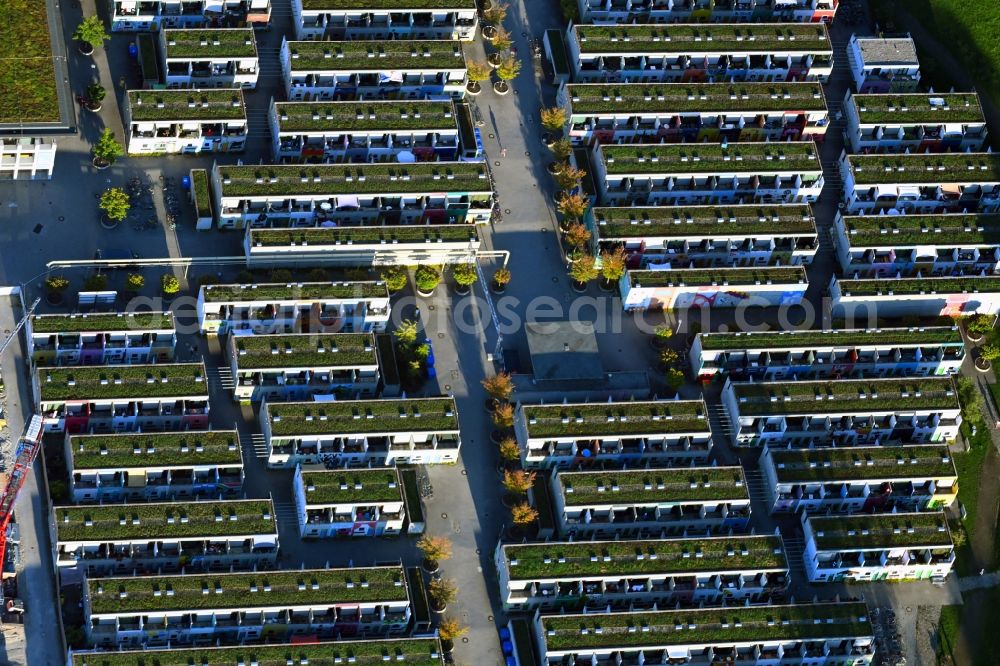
(352, 486)
(887, 530)
(659, 486)
(918, 108)
(402, 233)
(704, 277)
(765, 38)
(615, 418)
(668, 98)
(710, 158)
(306, 350)
(27, 65)
(302, 291)
(830, 465)
(846, 338)
(152, 450)
(98, 322)
(376, 56)
(153, 105)
(345, 417)
(366, 116)
(845, 396)
(165, 380)
(196, 43)
(913, 285)
(705, 221)
(923, 168)
(907, 230)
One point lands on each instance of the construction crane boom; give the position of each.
(24, 458)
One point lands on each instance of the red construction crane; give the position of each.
(27, 450)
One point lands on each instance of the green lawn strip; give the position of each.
(411, 493)
(27, 69)
(383, 235)
(914, 285)
(665, 99)
(557, 44)
(922, 168)
(844, 396)
(376, 56)
(863, 532)
(307, 350)
(702, 221)
(352, 486)
(306, 291)
(957, 229)
(393, 5)
(202, 200)
(181, 105)
(365, 116)
(862, 337)
(660, 486)
(770, 38)
(969, 465)
(437, 415)
(621, 418)
(101, 323)
(888, 108)
(201, 43)
(702, 158)
(704, 277)
(830, 464)
(183, 380)
(949, 624)
(180, 449)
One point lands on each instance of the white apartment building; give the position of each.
(386, 20)
(209, 58)
(349, 502)
(957, 296)
(151, 15)
(601, 12)
(680, 289)
(100, 338)
(883, 64)
(185, 121)
(28, 157)
(915, 122)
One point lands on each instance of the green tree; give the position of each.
(501, 40)
(427, 278)
(107, 149)
(96, 93)
(979, 324)
(663, 333)
(96, 282)
(990, 351)
(135, 281)
(406, 333)
(465, 275)
(509, 68)
(553, 118)
(478, 71)
(91, 31)
(613, 264)
(170, 285)
(115, 203)
(395, 278)
(584, 269)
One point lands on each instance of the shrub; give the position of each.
(584, 269)
(281, 275)
(107, 149)
(434, 548)
(135, 281)
(395, 278)
(674, 378)
(523, 514)
(577, 236)
(518, 482)
(501, 276)
(96, 282)
(553, 118)
(979, 324)
(509, 450)
(499, 386)
(170, 285)
(406, 333)
(427, 278)
(56, 283)
(115, 203)
(318, 275)
(613, 264)
(572, 206)
(562, 149)
(465, 275)
(91, 30)
(509, 68)
(990, 351)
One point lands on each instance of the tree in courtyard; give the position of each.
(509, 450)
(523, 514)
(435, 549)
(613, 264)
(577, 236)
(115, 203)
(107, 149)
(518, 482)
(562, 149)
(503, 416)
(584, 269)
(91, 31)
(569, 177)
(553, 118)
(572, 206)
(499, 386)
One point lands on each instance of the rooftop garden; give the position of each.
(719, 626)
(846, 396)
(306, 350)
(302, 291)
(886, 530)
(110, 523)
(584, 559)
(152, 105)
(393, 5)
(353, 179)
(210, 43)
(346, 417)
(318, 588)
(704, 277)
(368, 652)
(352, 486)
(615, 418)
(710, 158)
(925, 168)
(829, 465)
(402, 233)
(202, 200)
(655, 486)
(167, 380)
(664, 99)
(906, 230)
(810, 339)
(155, 450)
(367, 116)
(376, 56)
(27, 68)
(704, 38)
(103, 322)
(702, 221)
(913, 285)
(917, 108)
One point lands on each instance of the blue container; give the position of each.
(504, 634)
(186, 183)
(431, 372)
(133, 50)
(511, 661)
(508, 647)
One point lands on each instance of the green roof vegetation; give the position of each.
(152, 105)
(886, 530)
(744, 38)
(345, 417)
(27, 66)
(394, 5)
(367, 116)
(376, 56)
(665, 99)
(912, 285)
(916, 108)
(289, 180)
(846, 396)
(704, 221)
(305, 350)
(166, 380)
(933, 168)
(352, 486)
(115, 523)
(199, 43)
(305, 291)
(961, 229)
(101, 322)
(583, 559)
(400, 233)
(833, 464)
(697, 626)
(810, 339)
(154, 450)
(654, 486)
(615, 418)
(710, 158)
(202, 199)
(319, 588)
(367, 652)
(704, 277)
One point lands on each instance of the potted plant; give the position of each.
(442, 591)
(503, 421)
(499, 387)
(395, 278)
(427, 279)
(96, 282)
(477, 72)
(465, 276)
(572, 207)
(435, 550)
(612, 267)
(501, 278)
(170, 285)
(501, 39)
(523, 516)
(449, 631)
(115, 204)
(90, 34)
(668, 358)
(561, 150)
(510, 452)
(583, 271)
(508, 69)
(495, 14)
(978, 325)
(577, 236)
(661, 334)
(106, 150)
(674, 378)
(518, 482)
(553, 119)
(569, 177)
(134, 283)
(95, 95)
(988, 353)
(55, 285)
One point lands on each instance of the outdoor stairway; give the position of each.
(721, 434)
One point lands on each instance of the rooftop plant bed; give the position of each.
(180, 105)
(364, 416)
(665, 99)
(304, 291)
(557, 44)
(887, 530)
(765, 38)
(210, 43)
(306, 350)
(167, 380)
(912, 285)
(202, 200)
(317, 588)
(861, 337)
(111, 523)
(368, 116)
(353, 179)
(659, 486)
(846, 396)
(702, 221)
(155, 450)
(916, 108)
(704, 277)
(719, 626)
(907, 230)
(391, 5)
(352, 486)
(369, 652)
(829, 465)
(582, 559)
(922, 168)
(148, 58)
(710, 158)
(27, 69)
(617, 418)
(377, 56)
(103, 322)
(402, 233)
